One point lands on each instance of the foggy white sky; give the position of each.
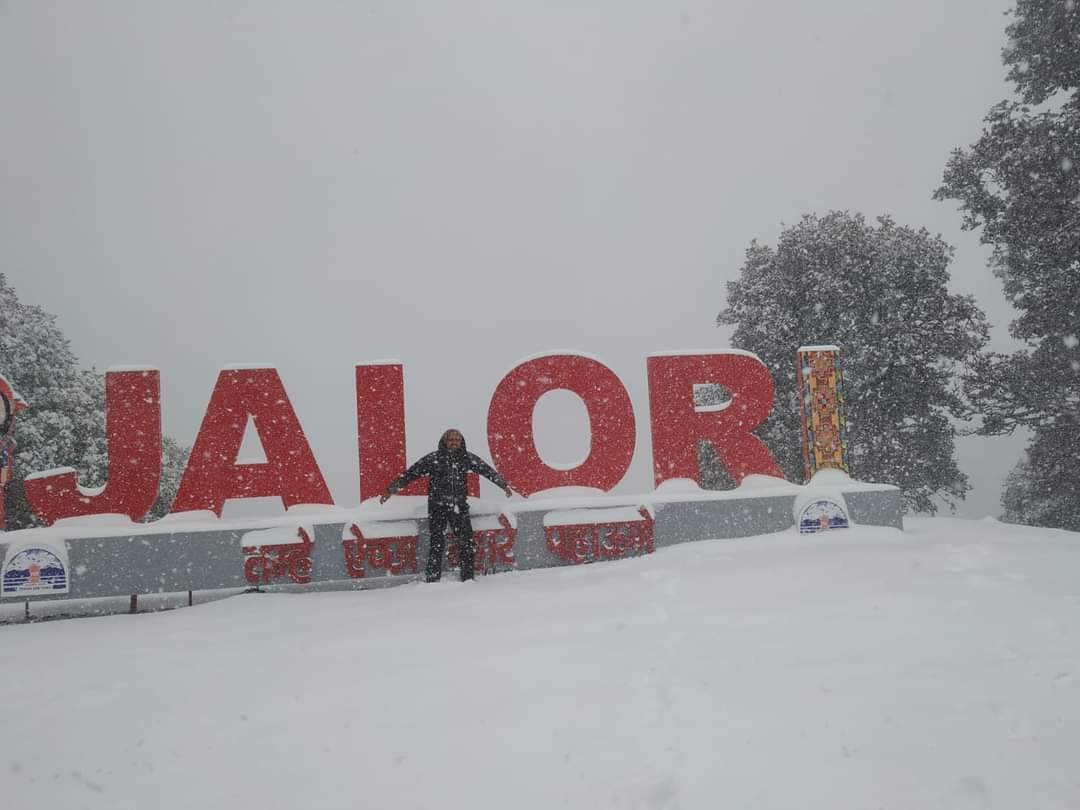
(460, 185)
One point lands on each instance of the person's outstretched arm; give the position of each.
(417, 470)
(478, 465)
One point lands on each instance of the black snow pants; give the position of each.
(438, 516)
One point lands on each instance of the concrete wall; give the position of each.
(152, 558)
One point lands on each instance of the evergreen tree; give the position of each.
(1033, 493)
(879, 293)
(1020, 183)
(64, 424)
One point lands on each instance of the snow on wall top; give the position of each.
(575, 517)
(128, 367)
(695, 352)
(276, 536)
(400, 508)
(103, 520)
(378, 530)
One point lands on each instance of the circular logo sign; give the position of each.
(822, 514)
(34, 571)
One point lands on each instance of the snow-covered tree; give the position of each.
(1020, 183)
(1041, 489)
(64, 424)
(879, 292)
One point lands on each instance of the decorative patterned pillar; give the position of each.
(821, 404)
(10, 404)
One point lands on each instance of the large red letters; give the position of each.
(213, 476)
(133, 415)
(380, 428)
(611, 420)
(677, 425)
(133, 431)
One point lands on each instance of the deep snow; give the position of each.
(933, 668)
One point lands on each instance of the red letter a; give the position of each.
(213, 476)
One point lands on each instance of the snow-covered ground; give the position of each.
(933, 668)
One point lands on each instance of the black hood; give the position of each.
(442, 442)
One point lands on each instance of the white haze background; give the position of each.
(461, 185)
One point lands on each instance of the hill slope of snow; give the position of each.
(937, 667)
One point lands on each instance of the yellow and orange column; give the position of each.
(821, 400)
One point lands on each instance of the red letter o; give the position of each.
(611, 423)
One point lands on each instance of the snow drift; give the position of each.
(937, 667)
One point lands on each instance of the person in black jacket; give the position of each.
(447, 492)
